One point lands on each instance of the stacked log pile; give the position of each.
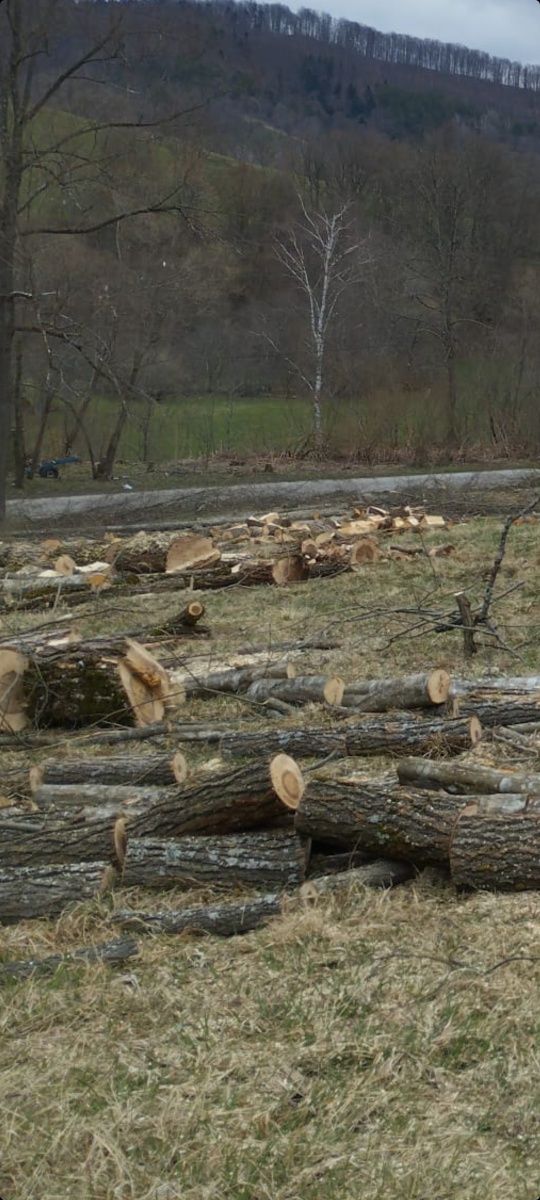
(267, 550)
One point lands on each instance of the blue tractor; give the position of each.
(49, 467)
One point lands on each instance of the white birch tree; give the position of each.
(324, 260)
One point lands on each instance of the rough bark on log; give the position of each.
(466, 778)
(383, 873)
(223, 920)
(334, 863)
(28, 892)
(305, 689)
(492, 713)
(409, 691)
(221, 802)
(109, 953)
(405, 823)
(231, 680)
(496, 844)
(35, 838)
(275, 860)
(156, 553)
(155, 770)
(401, 735)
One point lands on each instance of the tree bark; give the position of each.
(381, 873)
(110, 953)
(223, 920)
(300, 743)
(271, 860)
(409, 691)
(496, 844)
(35, 838)
(399, 736)
(28, 892)
(466, 778)
(219, 802)
(70, 684)
(305, 689)
(402, 823)
(155, 770)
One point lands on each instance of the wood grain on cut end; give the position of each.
(287, 780)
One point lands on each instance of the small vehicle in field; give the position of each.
(49, 467)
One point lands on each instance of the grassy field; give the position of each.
(370, 1047)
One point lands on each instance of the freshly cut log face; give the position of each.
(12, 714)
(65, 565)
(287, 780)
(67, 684)
(190, 552)
(269, 860)
(364, 551)
(496, 844)
(289, 570)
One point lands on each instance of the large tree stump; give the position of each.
(75, 684)
(496, 844)
(271, 860)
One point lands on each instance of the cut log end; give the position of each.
(438, 686)
(287, 780)
(289, 570)
(190, 552)
(364, 551)
(333, 690)
(179, 767)
(475, 731)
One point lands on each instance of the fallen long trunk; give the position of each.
(405, 824)
(223, 920)
(110, 953)
(492, 713)
(27, 892)
(466, 777)
(401, 735)
(261, 860)
(408, 691)
(155, 770)
(496, 844)
(231, 681)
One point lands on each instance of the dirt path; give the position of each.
(459, 491)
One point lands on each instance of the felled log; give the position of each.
(223, 920)
(109, 953)
(75, 684)
(186, 621)
(403, 823)
(230, 680)
(28, 892)
(44, 585)
(509, 712)
(466, 777)
(304, 689)
(408, 691)
(36, 838)
(225, 801)
(401, 735)
(163, 552)
(276, 860)
(381, 873)
(333, 862)
(156, 770)
(496, 844)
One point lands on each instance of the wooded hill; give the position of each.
(156, 180)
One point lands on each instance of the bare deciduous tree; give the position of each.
(324, 260)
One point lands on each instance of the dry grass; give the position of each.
(372, 1045)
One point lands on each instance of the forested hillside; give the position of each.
(213, 209)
